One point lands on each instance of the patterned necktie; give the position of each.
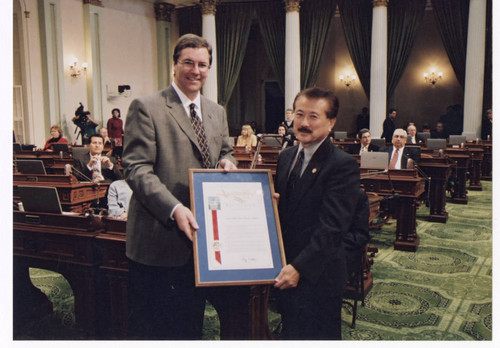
(95, 171)
(295, 173)
(394, 160)
(200, 134)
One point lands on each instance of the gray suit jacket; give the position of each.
(160, 146)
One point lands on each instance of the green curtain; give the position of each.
(356, 16)
(315, 19)
(271, 18)
(189, 19)
(452, 18)
(233, 23)
(404, 18)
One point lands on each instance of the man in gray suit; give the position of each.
(162, 141)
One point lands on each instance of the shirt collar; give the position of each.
(185, 100)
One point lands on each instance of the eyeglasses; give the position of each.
(191, 65)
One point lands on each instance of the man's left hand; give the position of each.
(227, 165)
(106, 161)
(288, 278)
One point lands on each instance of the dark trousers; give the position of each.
(164, 303)
(310, 312)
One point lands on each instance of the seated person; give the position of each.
(401, 156)
(365, 143)
(247, 138)
(439, 132)
(104, 134)
(413, 137)
(119, 194)
(286, 139)
(426, 128)
(57, 138)
(95, 166)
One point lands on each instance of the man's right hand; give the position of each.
(185, 221)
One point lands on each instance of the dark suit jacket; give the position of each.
(418, 139)
(317, 215)
(408, 152)
(389, 128)
(80, 163)
(160, 147)
(355, 148)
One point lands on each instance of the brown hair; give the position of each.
(191, 41)
(57, 128)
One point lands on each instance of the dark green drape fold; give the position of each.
(271, 18)
(233, 23)
(189, 19)
(315, 19)
(452, 18)
(356, 16)
(404, 18)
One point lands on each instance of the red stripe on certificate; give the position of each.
(216, 235)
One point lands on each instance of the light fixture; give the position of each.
(74, 70)
(433, 78)
(348, 79)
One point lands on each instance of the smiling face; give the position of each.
(310, 123)
(54, 133)
(191, 70)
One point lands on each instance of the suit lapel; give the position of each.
(309, 176)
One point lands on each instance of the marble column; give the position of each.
(208, 8)
(292, 51)
(378, 75)
(163, 14)
(474, 67)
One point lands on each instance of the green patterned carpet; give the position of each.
(441, 292)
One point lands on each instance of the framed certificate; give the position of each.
(239, 240)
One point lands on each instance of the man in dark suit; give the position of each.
(440, 132)
(93, 165)
(401, 156)
(318, 186)
(389, 125)
(364, 145)
(166, 134)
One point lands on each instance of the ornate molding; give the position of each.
(93, 2)
(377, 3)
(292, 5)
(163, 11)
(208, 7)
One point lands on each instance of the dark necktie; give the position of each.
(295, 173)
(200, 134)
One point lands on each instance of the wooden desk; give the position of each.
(74, 195)
(462, 158)
(487, 160)
(477, 154)
(439, 170)
(53, 162)
(409, 186)
(64, 244)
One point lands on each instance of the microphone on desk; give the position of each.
(394, 194)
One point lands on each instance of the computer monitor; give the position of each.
(60, 147)
(41, 199)
(17, 148)
(30, 167)
(423, 135)
(469, 135)
(378, 142)
(374, 160)
(456, 139)
(340, 135)
(436, 144)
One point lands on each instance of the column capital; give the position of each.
(377, 3)
(208, 7)
(163, 11)
(93, 2)
(292, 5)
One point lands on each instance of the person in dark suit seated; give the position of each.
(317, 185)
(413, 137)
(286, 139)
(401, 156)
(365, 143)
(94, 165)
(440, 132)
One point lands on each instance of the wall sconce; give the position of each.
(348, 79)
(433, 78)
(74, 70)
